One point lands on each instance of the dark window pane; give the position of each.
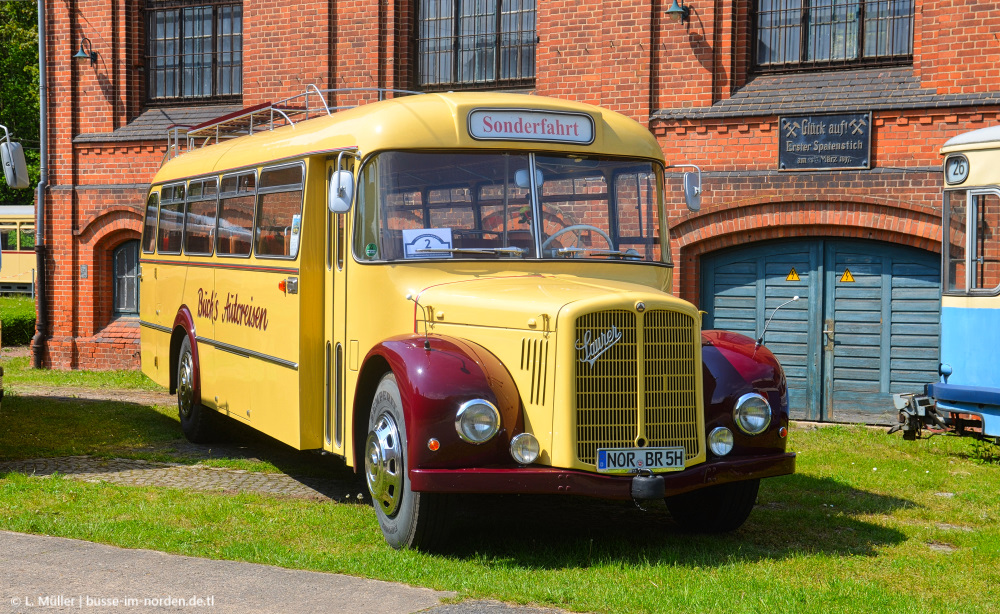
(476, 42)
(279, 223)
(124, 264)
(171, 224)
(199, 220)
(8, 238)
(149, 228)
(821, 33)
(195, 51)
(955, 240)
(236, 205)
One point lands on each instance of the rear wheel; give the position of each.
(715, 509)
(408, 519)
(196, 419)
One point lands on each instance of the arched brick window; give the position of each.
(125, 267)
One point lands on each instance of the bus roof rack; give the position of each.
(311, 103)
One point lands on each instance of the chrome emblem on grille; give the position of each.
(640, 306)
(591, 349)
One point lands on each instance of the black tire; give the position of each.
(196, 419)
(715, 509)
(408, 519)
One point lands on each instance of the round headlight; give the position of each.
(752, 413)
(524, 448)
(720, 441)
(477, 421)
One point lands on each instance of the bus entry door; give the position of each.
(334, 327)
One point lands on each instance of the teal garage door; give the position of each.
(865, 325)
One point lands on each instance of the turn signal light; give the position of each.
(281, 285)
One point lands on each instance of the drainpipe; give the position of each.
(39, 342)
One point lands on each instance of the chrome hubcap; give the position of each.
(185, 385)
(384, 465)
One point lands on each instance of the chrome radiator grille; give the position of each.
(618, 350)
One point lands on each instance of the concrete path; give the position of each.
(190, 477)
(51, 574)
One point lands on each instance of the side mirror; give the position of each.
(521, 178)
(692, 186)
(15, 171)
(692, 190)
(341, 192)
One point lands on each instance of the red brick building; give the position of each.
(724, 89)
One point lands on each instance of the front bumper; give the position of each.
(550, 480)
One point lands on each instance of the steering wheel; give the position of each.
(578, 227)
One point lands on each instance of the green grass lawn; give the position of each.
(869, 523)
(18, 371)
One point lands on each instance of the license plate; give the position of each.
(631, 460)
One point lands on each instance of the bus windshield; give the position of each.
(423, 205)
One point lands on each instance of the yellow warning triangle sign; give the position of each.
(847, 277)
(792, 275)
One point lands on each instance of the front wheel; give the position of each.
(196, 419)
(715, 509)
(408, 519)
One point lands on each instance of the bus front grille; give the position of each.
(617, 348)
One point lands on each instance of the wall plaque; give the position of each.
(820, 142)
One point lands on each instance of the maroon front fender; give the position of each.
(733, 366)
(434, 383)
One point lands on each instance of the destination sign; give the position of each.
(817, 142)
(525, 125)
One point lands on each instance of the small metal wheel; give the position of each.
(408, 519)
(196, 419)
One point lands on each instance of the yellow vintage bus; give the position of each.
(457, 293)
(17, 242)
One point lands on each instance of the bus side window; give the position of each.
(199, 220)
(149, 227)
(168, 236)
(236, 201)
(279, 212)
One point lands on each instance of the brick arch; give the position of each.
(695, 235)
(109, 221)
(98, 238)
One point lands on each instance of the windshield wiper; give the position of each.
(492, 251)
(624, 253)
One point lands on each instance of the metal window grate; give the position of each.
(194, 50)
(802, 34)
(475, 43)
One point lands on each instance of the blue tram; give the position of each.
(967, 397)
